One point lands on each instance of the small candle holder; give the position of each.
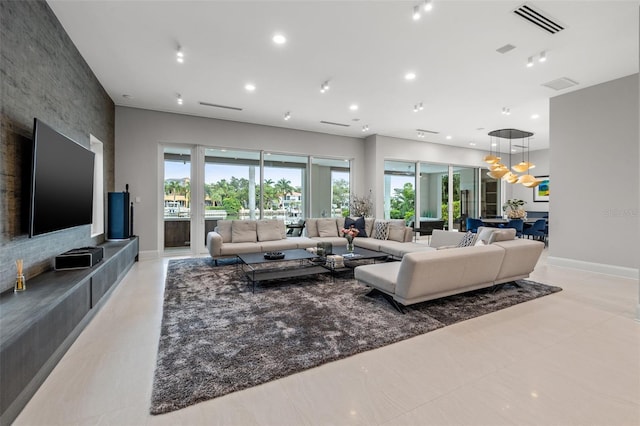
(21, 284)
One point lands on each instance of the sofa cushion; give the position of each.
(224, 229)
(327, 228)
(382, 276)
(359, 224)
(396, 230)
(381, 230)
(243, 231)
(270, 230)
(311, 225)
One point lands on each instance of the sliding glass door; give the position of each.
(176, 204)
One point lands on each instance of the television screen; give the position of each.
(62, 182)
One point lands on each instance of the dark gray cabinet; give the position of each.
(39, 325)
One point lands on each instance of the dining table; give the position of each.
(502, 221)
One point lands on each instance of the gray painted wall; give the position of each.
(140, 133)
(594, 162)
(42, 75)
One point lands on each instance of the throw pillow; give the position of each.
(243, 231)
(468, 240)
(484, 234)
(502, 235)
(396, 230)
(381, 230)
(327, 228)
(358, 224)
(268, 230)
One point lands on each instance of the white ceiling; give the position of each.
(364, 48)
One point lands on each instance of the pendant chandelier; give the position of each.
(497, 170)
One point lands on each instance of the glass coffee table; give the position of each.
(295, 263)
(360, 255)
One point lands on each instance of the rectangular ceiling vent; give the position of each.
(220, 106)
(560, 83)
(506, 48)
(428, 131)
(538, 18)
(335, 124)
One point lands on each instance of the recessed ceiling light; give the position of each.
(530, 62)
(179, 99)
(494, 144)
(180, 55)
(449, 137)
(428, 5)
(353, 107)
(250, 87)
(472, 143)
(279, 39)
(410, 76)
(535, 116)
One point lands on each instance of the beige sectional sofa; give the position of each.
(232, 237)
(431, 274)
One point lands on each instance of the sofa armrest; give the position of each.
(214, 244)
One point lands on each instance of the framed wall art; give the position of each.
(541, 192)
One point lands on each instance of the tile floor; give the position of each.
(572, 358)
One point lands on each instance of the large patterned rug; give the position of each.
(218, 337)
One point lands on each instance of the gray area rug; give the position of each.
(218, 337)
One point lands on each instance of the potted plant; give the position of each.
(514, 209)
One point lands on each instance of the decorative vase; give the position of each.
(349, 246)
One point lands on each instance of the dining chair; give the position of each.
(473, 224)
(517, 224)
(537, 230)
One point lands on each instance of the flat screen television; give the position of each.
(61, 182)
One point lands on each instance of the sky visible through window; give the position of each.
(215, 173)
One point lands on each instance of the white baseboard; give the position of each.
(601, 268)
(148, 255)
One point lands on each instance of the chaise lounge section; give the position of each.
(432, 274)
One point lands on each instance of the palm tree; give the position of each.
(283, 188)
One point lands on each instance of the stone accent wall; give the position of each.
(42, 75)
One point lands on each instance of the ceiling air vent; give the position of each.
(335, 124)
(538, 18)
(220, 106)
(428, 131)
(560, 83)
(506, 48)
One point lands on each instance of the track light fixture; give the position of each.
(180, 55)
(416, 13)
(418, 107)
(530, 62)
(287, 116)
(427, 5)
(365, 128)
(324, 86)
(506, 111)
(420, 134)
(179, 99)
(543, 56)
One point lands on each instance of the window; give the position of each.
(399, 190)
(97, 224)
(330, 192)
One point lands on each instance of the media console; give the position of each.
(39, 325)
